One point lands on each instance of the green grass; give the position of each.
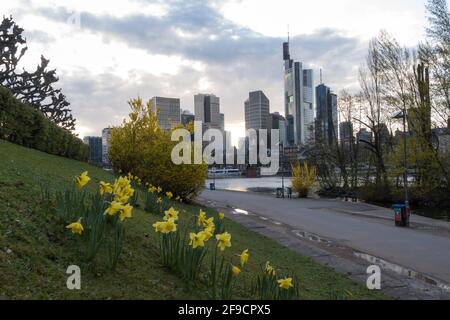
(35, 248)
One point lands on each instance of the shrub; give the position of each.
(303, 179)
(139, 146)
(22, 124)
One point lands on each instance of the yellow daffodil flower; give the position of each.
(76, 227)
(114, 208)
(236, 271)
(208, 233)
(223, 241)
(197, 240)
(82, 180)
(152, 189)
(159, 201)
(126, 212)
(169, 195)
(169, 226)
(221, 216)
(159, 189)
(285, 283)
(201, 218)
(159, 226)
(269, 269)
(171, 214)
(105, 188)
(243, 257)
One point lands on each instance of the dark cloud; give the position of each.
(234, 66)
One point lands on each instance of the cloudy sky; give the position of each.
(107, 52)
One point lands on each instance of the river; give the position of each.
(270, 184)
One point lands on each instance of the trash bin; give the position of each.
(402, 215)
(280, 193)
(212, 186)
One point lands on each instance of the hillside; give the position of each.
(35, 249)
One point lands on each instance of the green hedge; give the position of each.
(22, 124)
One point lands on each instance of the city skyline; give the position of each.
(186, 61)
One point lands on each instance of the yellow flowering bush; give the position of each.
(141, 147)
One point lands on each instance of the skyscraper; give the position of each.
(326, 118)
(106, 136)
(169, 114)
(222, 122)
(257, 112)
(187, 117)
(95, 149)
(207, 110)
(346, 133)
(277, 121)
(299, 104)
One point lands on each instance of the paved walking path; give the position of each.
(368, 229)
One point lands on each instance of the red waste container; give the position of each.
(402, 215)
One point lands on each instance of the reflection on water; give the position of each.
(263, 184)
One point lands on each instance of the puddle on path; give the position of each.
(401, 270)
(310, 236)
(241, 212)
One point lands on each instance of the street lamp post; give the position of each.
(402, 115)
(282, 168)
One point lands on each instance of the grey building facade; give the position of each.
(169, 112)
(257, 111)
(207, 110)
(95, 149)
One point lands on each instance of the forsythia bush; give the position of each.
(141, 147)
(303, 179)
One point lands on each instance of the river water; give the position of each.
(270, 184)
(263, 184)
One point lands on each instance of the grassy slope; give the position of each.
(42, 249)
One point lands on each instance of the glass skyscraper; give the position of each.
(326, 118)
(299, 100)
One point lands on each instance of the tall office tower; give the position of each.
(169, 115)
(222, 122)
(95, 149)
(257, 111)
(346, 133)
(207, 110)
(299, 100)
(326, 118)
(106, 136)
(278, 122)
(187, 117)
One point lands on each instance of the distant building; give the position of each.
(222, 122)
(441, 138)
(257, 110)
(207, 110)
(169, 115)
(298, 96)
(326, 129)
(106, 136)
(364, 136)
(346, 133)
(277, 121)
(95, 149)
(187, 117)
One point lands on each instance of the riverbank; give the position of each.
(268, 185)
